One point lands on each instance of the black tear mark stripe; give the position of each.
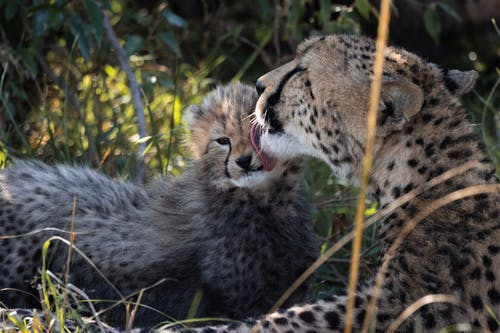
(275, 97)
(226, 162)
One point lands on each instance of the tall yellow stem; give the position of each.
(371, 124)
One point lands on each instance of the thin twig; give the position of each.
(134, 90)
(129, 324)
(371, 125)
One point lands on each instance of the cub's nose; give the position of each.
(244, 161)
(260, 87)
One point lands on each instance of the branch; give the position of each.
(134, 90)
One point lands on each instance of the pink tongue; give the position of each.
(268, 162)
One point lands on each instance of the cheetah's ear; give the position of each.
(459, 82)
(403, 99)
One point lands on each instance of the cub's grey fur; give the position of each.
(225, 226)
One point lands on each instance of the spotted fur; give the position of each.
(316, 105)
(239, 234)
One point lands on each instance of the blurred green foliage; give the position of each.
(63, 96)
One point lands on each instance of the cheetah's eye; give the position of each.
(223, 141)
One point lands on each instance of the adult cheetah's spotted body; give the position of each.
(223, 225)
(316, 105)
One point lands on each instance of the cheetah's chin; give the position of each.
(281, 145)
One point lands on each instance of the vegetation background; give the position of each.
(64, 96)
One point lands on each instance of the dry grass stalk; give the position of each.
(68, 259)
(130, 317)
(371, 125)
(428, 299)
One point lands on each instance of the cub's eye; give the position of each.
(223, 141)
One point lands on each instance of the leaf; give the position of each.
(11, 9)
(325, 13)
(450, 11)
(56, 17)
(168, 38)
(494, 22)
(95, 18)
(432, 22)
(394, 9)
(167, 83)
(323, 225)
(174, 19)
(18, 323)
(363, 7)
(105, 4)
(133, 43)
(141, 140)
(40, 22)
(19, 93)
(28, 58)
(79, 30)
(295, 10)
(110, 71)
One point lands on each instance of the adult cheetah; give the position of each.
(316, 105)
(227, 227)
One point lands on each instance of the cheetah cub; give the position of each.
(225, 227)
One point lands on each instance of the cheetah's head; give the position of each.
(220, 140)
(317, 103)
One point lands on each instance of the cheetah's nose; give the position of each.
(244, 161)
(260, 87)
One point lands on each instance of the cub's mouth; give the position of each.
(268, 161)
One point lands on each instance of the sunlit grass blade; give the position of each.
(195, 304)
(18, 323)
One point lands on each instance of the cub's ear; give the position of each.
(192, 114)
(458, 82)
(198, 128)
(401, 99)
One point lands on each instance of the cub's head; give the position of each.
(220, 140)
(317, 103)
